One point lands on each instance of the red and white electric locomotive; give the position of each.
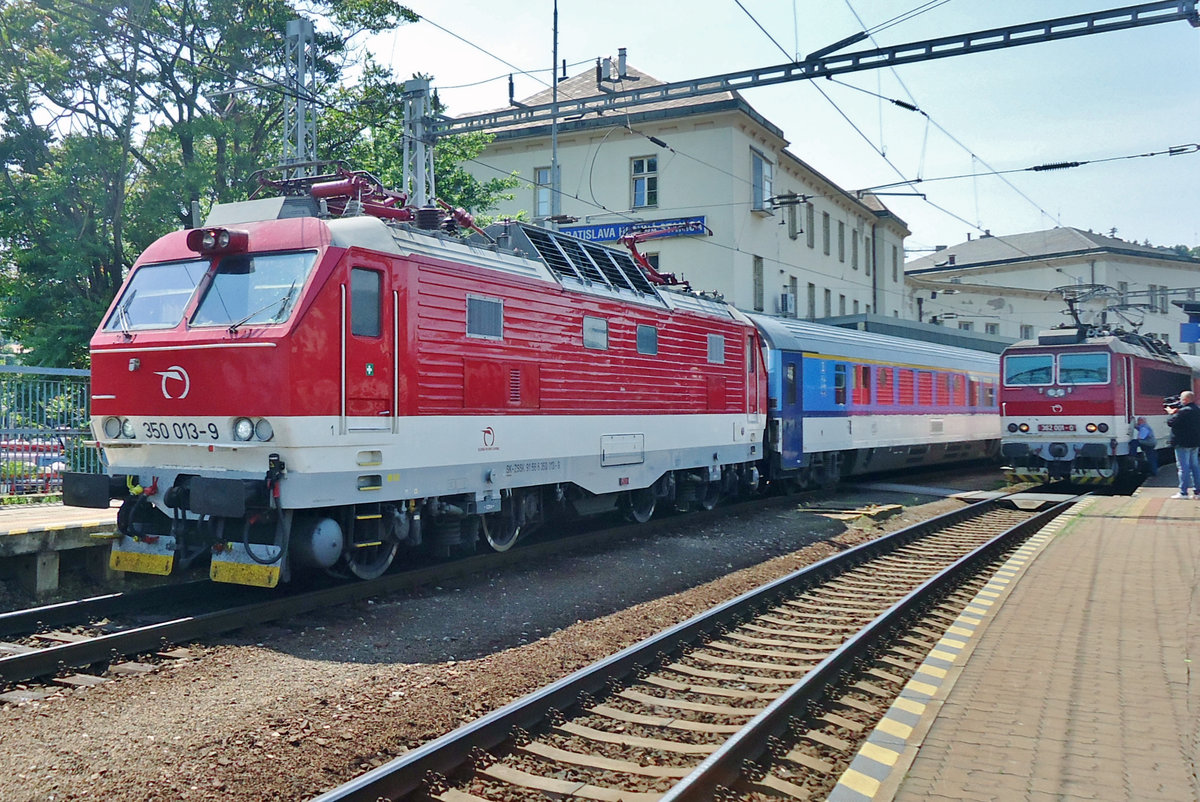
(315, 380)
(1070, 398)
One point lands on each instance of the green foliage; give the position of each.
(116, 120)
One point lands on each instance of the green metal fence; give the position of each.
(43, 429)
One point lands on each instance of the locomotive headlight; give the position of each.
(263, 430)
(1024, 427)
(1091, 427)
(127, 429)
(1012, 427)
(243, 429)
(1103, 427)
(112, 428)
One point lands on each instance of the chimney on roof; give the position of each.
(968, 236)
(987, 232)
(937, 248)
(621, 62)
(950, 259)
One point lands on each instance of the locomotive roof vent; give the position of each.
(577, 261)
(254, 211)
(1061, 336)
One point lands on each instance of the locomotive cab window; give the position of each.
(366, 295)
(1028, 369)
(1086, 368)
(156, 296)
(485, 318)
(254, 288)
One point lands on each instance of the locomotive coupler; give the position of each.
(276, 470)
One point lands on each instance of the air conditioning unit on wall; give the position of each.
(787, 304)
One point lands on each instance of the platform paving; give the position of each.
(1076, 677)
(33, 537)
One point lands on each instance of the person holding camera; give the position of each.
(1185, 437)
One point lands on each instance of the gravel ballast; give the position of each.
(291, 710)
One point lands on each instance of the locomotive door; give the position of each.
(368, 351)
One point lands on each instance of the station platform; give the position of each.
(1069, 677)
(34, 537)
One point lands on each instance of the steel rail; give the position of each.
(80, 611)
(53, 659)
(446, 754)
(724, 767)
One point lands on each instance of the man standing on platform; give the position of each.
(1185, 437)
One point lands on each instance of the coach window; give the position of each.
(789, 384)
(365, 299)
(647, 340)
(595, 333)
(716, 349)
(1090, 368)
(839, 384)
(862, 384)
(1028, 369)
(485, 318)
(883, 385)
(907, 387)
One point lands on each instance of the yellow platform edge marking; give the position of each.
(859, 783)
(959, 636)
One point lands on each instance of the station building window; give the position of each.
(762, 182)
(644, 181)
(542, 188)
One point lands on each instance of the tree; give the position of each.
(369, 136)
(115, 119)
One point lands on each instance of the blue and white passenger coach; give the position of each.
(844, 402)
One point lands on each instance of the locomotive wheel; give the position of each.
(370, 562)
(710, 496)
(501, 533)
(639, 505)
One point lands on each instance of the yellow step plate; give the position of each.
(142, 557)
(236, 566)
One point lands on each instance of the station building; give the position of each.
(748, 219)
(1008, 286)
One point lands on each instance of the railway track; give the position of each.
(768, 694)
(75, 643)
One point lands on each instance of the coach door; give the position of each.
(368, 351)
(791, 410)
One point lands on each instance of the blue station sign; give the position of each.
(611, 232)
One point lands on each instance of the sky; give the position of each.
(1098, 99)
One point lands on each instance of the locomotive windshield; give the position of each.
(1086, 368)
(1027, 369)
(254, 288)
(156, 296)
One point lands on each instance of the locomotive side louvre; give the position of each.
(1070, 400)
(413, 373)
